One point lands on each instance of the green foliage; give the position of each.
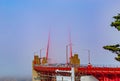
(117, 17)
(118, 57)
(115, 48)
(116, 23)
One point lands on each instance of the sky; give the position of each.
(25, 24)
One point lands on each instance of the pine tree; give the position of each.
(115, 48)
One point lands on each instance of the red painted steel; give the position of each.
(70, 44)
(48, 45)
(101, 73)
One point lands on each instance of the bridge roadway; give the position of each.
(101, 73)
(85, 69)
